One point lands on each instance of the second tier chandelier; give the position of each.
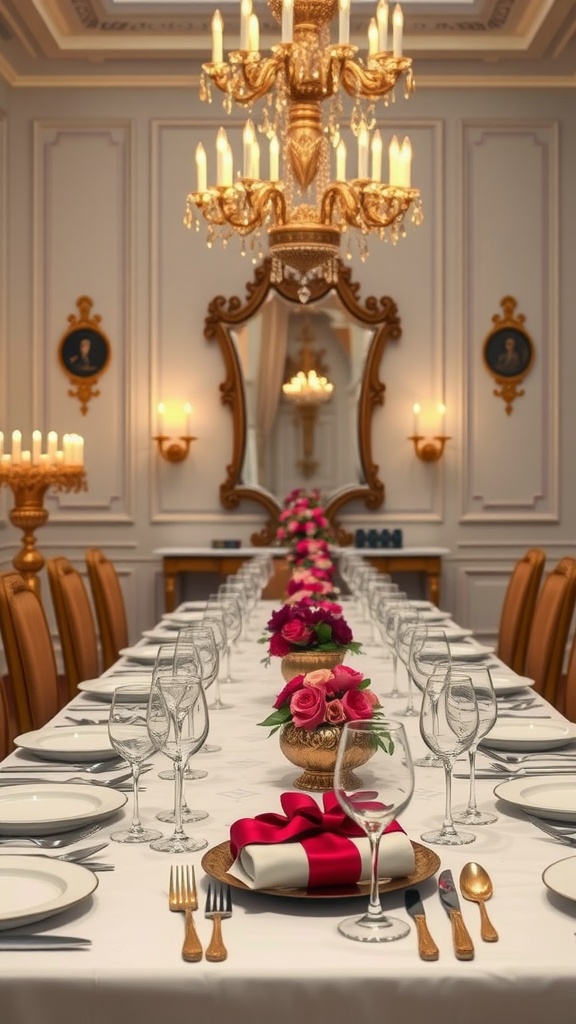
(306, 205)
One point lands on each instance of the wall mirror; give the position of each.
(282, 441)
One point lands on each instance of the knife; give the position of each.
(427, 948)
(463, 945)
(27, 942)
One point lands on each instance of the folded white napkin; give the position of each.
(286, 864)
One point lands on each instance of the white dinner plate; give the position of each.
(35, 810)
(145, 655)
(550, 796)
(433, 615)
(105, 686)
(424, 605)
(561, 878)
(184, 618)
(469, 651)
(34, 888)
(161, 634)
(68, 743)
(504, 685)
(454, 633)
(529, 734)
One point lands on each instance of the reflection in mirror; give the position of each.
(314, 435)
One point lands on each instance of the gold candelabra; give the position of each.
(306, 214)
(29, 483)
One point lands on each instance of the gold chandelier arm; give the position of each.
(378, 79)
(247, 77)
(243, 206)
(366, 204)
(340, 197)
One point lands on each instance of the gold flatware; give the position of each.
(476, 885)
(182, 898)
(218, 907)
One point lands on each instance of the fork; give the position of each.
(566, 837)
(218, 906)
(533, 769)
(182, 898)
(51, 842)
(522, 758)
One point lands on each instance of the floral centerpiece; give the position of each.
(310, 586)
(302, 517)
(299, 632)
(310, 712)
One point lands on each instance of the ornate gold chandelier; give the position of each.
(306, 213)
(308, 388)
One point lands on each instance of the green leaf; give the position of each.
(278, 717)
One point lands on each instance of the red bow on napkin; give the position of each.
(323, 833)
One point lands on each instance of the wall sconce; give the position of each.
(429, 449)
(170, 448)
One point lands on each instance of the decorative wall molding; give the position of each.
(495, 156)
(83, 191)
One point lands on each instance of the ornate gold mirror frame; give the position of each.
(225, 314)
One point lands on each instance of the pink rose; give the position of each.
(295, 632)
(308, 707)
(357, 705)
(319, 677)
(281, 533)
(335, 713)
(346, 678)
(290, 688)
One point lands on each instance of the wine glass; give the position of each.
(172, 710)
(214, 620)
(169, 662)
(385, 791)
(429, 651)
(202, 638)
(448, 725)
(394, 611)
(128, 732)
(407, 626)
(233, 622)
(487, 714)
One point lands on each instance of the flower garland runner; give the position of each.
(305, 528)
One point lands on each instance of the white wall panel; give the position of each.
(510, 239)
(82, 246)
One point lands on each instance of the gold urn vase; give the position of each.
(315, 751)
(300, 662)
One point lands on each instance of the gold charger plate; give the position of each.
(217, 861)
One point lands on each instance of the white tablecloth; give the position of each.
(286, 956)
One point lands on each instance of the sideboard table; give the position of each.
(225, 561)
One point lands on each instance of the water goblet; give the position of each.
(175, 658)
(128, 732)
(202, 638)
(172, 704)
(448, 725)
(214, 620)
(394, 611)
(233, 621)
(429, 652)
(487, 714)
(407, 626)
(386, 789)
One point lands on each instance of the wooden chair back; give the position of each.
(518, 609)
(550, 629)
(29, 653)
(75, 622)
(109, 605)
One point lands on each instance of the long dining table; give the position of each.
(286, 956)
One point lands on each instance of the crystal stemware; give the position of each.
(129, 735)
(202, 637)
(214, 619)
(395, 610)
(167, 662)
(172, 710)
(487, 714)
(429, 652)
(385, 790)
(448, 725)
(407, 626)
(233, 622)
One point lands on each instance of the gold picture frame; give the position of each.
(84, 353)
(508, 352)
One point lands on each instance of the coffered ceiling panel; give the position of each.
(163, 42)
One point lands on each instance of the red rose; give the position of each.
(278, 646)
(296, 632)
(289, 689)
(345, 678)
(341, 632)
(357, 705)
(308, 707)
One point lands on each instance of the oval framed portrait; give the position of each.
(85, 352)
(508, 352)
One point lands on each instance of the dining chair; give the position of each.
(109, 605)
(29, 654)
(75, 622)
(550, 628)
(518, 609)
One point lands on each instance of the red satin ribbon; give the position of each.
(323, 833)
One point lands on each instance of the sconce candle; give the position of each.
(416, 411)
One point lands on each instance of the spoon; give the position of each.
(476, 885)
